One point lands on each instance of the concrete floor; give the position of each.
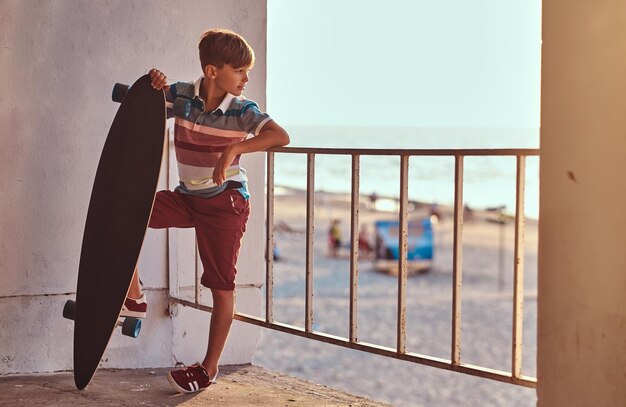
(244, 385)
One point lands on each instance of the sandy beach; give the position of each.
(486, 307)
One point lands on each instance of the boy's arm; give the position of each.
(271, 135)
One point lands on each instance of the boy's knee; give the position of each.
(222, 294)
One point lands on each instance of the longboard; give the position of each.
(117, 219)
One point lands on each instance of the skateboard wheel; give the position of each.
(69, 309)
(119, 92)
(182, 107)
(131, 327)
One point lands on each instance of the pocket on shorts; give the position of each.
(238, 203)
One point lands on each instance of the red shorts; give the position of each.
(220, 222)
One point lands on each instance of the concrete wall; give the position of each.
(582, 244)
(59, 61)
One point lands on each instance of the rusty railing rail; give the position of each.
(399, 352)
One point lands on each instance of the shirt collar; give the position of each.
(223, 107)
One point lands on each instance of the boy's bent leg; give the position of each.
(221, 321)
(169, 210)
(135, 304)
(134, 291)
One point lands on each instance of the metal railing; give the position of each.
(399, 352)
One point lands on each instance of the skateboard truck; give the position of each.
(120, 91)
(180, 108)
(130, 326)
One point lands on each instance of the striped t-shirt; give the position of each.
(201, 138)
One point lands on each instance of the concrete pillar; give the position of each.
(59, 61)
(582, 244)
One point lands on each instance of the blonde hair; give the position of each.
(219, 46)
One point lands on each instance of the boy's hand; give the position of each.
(159, 80)
(225, 160)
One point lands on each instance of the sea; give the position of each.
(489, 181)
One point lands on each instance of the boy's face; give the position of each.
(230, 79)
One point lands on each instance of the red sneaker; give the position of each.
(135, 308)
(190, 379)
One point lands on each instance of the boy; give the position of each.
(213, 194)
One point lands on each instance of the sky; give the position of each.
(406, 63)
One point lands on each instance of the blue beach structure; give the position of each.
(420, 245)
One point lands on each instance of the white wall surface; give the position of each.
(582, 244)
(58, 63)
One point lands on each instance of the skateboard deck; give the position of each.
(117, 219)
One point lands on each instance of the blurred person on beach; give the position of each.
(435, 212)
(282, 226)
(468, 213)
(334, 237)
(365, 247)
(373, 198)
(276, 251)
(212, 195)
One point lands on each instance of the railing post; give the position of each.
(310, 231)
(518, 269)
(354, 245)
(269, 243)
(402, 253)
(197, 276)
(457, 266)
